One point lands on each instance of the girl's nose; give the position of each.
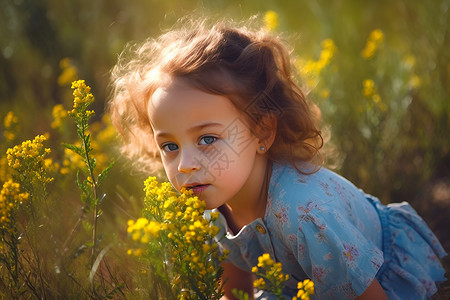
(189, 161)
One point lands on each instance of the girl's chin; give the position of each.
(211, 204)
(212, 199)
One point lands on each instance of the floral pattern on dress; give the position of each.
(326, 188)
(319, 273)
(282, 214)
(321, 237)
(304, 215)
(322, 227)
(350, 254)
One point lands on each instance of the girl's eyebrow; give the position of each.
(203, 126)
(192, 129)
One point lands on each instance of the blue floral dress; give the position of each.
(322, 227)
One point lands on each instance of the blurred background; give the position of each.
(378, 70)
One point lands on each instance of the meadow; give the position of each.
(74, 215)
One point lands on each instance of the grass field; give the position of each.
(379, 71)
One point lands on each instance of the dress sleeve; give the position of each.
(334, 254)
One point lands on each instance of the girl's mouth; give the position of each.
(197, 189)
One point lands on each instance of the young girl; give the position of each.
(218, 105)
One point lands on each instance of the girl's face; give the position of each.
(206, 145)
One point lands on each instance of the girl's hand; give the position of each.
(373, 292)
(236, 278)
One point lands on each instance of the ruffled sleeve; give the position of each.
(334, 254)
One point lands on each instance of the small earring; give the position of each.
(262, 148)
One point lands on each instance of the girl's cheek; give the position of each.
(171, 169)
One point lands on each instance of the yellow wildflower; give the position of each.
(106, 133)
(305, 289)
(270, 273)
(174, 226)
(10, 199)
(327, 53)
(59, 114)
(374, 40)
(10, 120)
(259, 283)
(5, 173)
(214, 215)
(11, 125)
(152, 228)
(370, 92)
(69, 71)
(265, 261)
(138, 252)
(311, 69)
(82, 99)
(28, 159)
(270, 20)
(368, 88)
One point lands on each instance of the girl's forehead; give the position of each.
(179, 95)
(171, 96)
(179, 109)
(169, 90)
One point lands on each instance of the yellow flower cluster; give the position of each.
(174, 225)
(305, 289)
(271, 279)
(370, 92)
(59, 114)
(82, 99)
(28, 159)
(270, 273)
(270, 20)
(10, 198)
(142, 230)
(10, 123)
(409, 63)
(104, 131)
(374, 41)
(311, 69)
(69, 72)
(368, 88)
(4, 169)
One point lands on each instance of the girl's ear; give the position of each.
(266, 131)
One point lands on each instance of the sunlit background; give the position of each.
(378, 70)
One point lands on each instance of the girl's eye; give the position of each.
(169, 147)
(207, 140)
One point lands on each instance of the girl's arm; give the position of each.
(373, 292)
(236, 279)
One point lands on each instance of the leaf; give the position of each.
(87, 142)
(104, 173)
(81, 185)
(88, 227)
(76, 149)
(93, 162)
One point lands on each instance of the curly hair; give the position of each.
(250, 67)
